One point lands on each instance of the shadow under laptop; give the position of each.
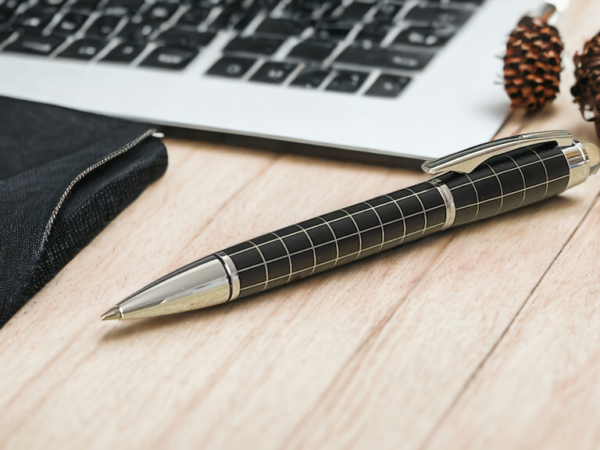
(295, 148)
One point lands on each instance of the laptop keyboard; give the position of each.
(369, 47)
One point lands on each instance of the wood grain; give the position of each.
(539, 389)
(479, 337)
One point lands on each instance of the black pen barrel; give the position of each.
(338, 238)
(501, 184)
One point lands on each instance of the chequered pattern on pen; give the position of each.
(338, 238)
(517, 178)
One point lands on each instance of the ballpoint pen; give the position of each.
(474, 184)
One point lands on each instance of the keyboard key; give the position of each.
(84, 49)
(388, 86)
(232, 4)
(181, 38)
(70, 23)
(169, 58)
(310, 5)
(297, 13)
(253, 44)
(57, 3)
(35, 19)
(463, 2)
(437, 16)
(231, 67)
(309, 9)
(347, 81)
(85, 6)
(366, 54)
(206, 4)
(243, 20)
(387, 12)
(161, 11)
(194, 17)
(124, 53)
(4, 35)
(269, 5)
(374, 32)
(273, 72)
(7, 12)
(5, 15)
(122, 7)
(236, 18)
(310, 78)
(355, 12)
(11, 5)
(221, 22)
(425, 36)
(313, 50)
(139, 32)
(331, 10)
(35, 44)
(336, 31)
(103, 26)
(282, 27)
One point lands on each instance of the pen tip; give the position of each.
(112, 314)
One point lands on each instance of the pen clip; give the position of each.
(467, 160)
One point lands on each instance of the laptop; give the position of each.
(414, 79)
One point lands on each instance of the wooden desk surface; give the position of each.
(483, 337)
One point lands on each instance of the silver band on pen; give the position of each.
(232, 274)
(448, 202)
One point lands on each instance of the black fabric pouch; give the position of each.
(64, 175)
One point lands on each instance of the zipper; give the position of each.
(83, 174)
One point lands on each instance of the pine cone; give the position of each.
(587, 75)
(532, 64)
